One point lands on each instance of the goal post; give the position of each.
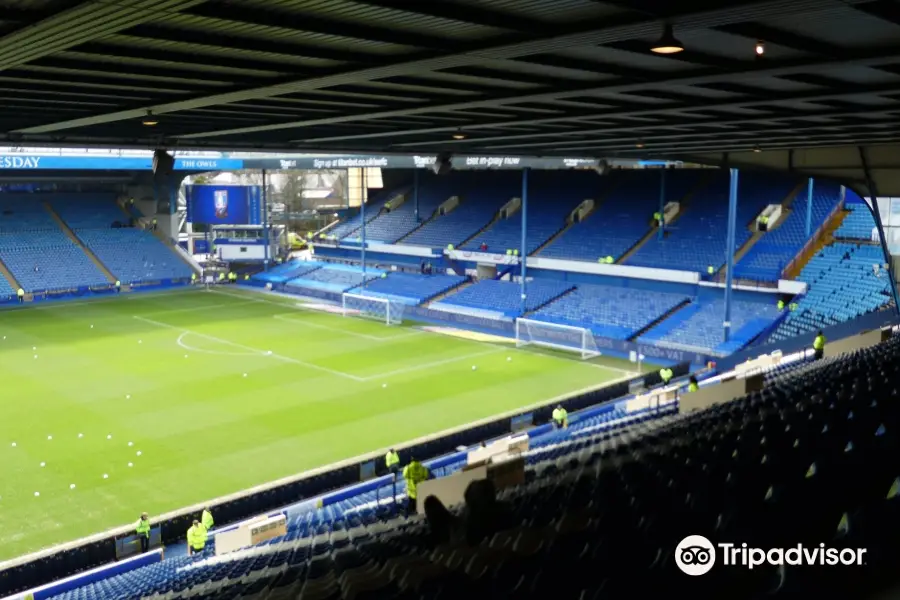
(530, 332)
(389, 312)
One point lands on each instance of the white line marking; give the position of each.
(377, 338)
(55, 305)
(187, 346)
(437, 363)
(253, 350)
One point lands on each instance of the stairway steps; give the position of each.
(660, 319)
(9, 276)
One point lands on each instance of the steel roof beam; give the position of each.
(652, 110)
(616, 29)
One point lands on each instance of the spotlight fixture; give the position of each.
(668, 43)
(150, 120)
(639, 144)
(459, 135)
(757, 149)
(760, 48)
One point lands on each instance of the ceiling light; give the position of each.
(668, 43)
(760, 48)
(150, 120)
(639, 145)
(459, 135)
(757, 149)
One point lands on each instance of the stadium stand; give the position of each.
(623, 216)
(609, 311)
(480, 199)
(410, 288)
(696, 240)
(148, 259)
(349, 227)
(551, 197)
(811, 457)
(776, 248)
(48, 261)
(94, 211)
(287, 271)
(98, 222)
(858, 224)
(388, 227)
(332, 278)
(842, 284)
(502, 298)
(699, 326)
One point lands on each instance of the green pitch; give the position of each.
(220, 391)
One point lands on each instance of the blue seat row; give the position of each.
(858, 223)
(697, 239)
(845, 281)
(777, 248)
(409, 288)
(609, 311)
(504, 297)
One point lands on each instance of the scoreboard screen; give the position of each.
(223, 204)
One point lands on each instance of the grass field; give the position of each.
(220, 391)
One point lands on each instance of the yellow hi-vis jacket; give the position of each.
(142, 527)
(391, 459)
(819, 342)
(206, 519)
(196, 537)
(414, 473)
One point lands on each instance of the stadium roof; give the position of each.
(542, 77)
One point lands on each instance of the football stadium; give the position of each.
(384, 300)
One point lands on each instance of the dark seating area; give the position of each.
(811, 459)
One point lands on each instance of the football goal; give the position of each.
(552, 335)
(387, 311)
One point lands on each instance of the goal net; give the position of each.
(387, 311)
(552, 335)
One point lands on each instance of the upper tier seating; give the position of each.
(349, 227)
(480, 199)
(771, 254)
(410, 288)
(697, 239)
(502, 298)
(609, 311)
(699, 326)
(623, 217)
(95, 211)
(552, 196)
(23, 213)
(389, 227)
(134, 255)
(47, 261)
(858, 224)
(813, 458)
(332, 278)
(842, 286)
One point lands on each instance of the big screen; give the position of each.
(223, 204)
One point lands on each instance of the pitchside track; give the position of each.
(220, 391)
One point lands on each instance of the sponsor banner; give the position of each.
(28, 162)
(483, 257)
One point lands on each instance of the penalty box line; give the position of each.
(280, 357)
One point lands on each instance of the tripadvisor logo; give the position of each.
(696, 555)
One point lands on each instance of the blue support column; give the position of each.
(364, 196)
(523, 251)
(809, 196)
(729, 250)
(265, 219)
(416, 193)
(662, 204)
